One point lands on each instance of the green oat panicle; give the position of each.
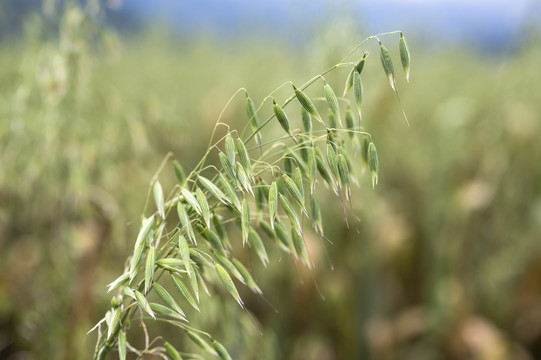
(306, 103)
(404, 56)
(387, 64)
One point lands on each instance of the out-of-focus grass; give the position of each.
(444, 261)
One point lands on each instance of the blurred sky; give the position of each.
(492, 25)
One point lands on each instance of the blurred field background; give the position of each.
(445, 261)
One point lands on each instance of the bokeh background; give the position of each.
(444, 261)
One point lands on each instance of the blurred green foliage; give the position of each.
(444, 261)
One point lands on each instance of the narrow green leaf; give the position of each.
(245, 220)
(184, 291)
(228, 284)
(149, 268)
(185, 222)
(143, 303)
(158, 198)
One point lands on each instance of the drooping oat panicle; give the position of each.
(228, 284)
(122, 345)
(143, 303)
(273, 202)
(185, 222)
(221, 350)
(171, 351)
(387, 64)
(167, 298)
(203, 205)
(231, 194)
(248, 279)
(254, 119)
(359, 68)
(158, 198)
(306, 103)
(405, 56)
(149, 268)
(373, 164)
(306, 120)
(245, 220)
(358, 92)
(226, 165)
(291, 214)
(179, 172)
(183, 290)
(245, 159)
(198, 340)
(257, 244)
(332, 101)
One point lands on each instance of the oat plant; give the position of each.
(261, 191)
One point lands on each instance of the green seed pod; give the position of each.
(364, 153)
(358, 91)
(245, 220)
(190, 199)
(248, 279)
(140, 245)
(332, 101)
(164, 310)
(303, 148)
(149, 268)
(198, 340)
(214, 190)
(288, 164)
(229, 170)
(167, 298)
(306, 120)
(230, 149)
(282, 235)
(143, 303)
(322, 169)
(244, 158)
(312, 168)
(387, 64)
(183, 289)
(243, 179)
(231, 194)
(332, 121)
(254, 119)
(203, 205)
(300, 248)
(405, 56)
(171, 351)
(273, 202)
(113, 322)
(158, 198)
(332, 159)
(373, 164)
(220, 349)
(267, 229)
(213, 239)
(257, 244)
(350, 122)
(344, 170)
(179, 172)
(281, 116)
(299, 182)
(184, 251)
(293, 190)
(291, 214)
(359, 68)
(306, 103)
(228, 283)
(185, 222)
(122, 345)
(316, 214)
(259, 195)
